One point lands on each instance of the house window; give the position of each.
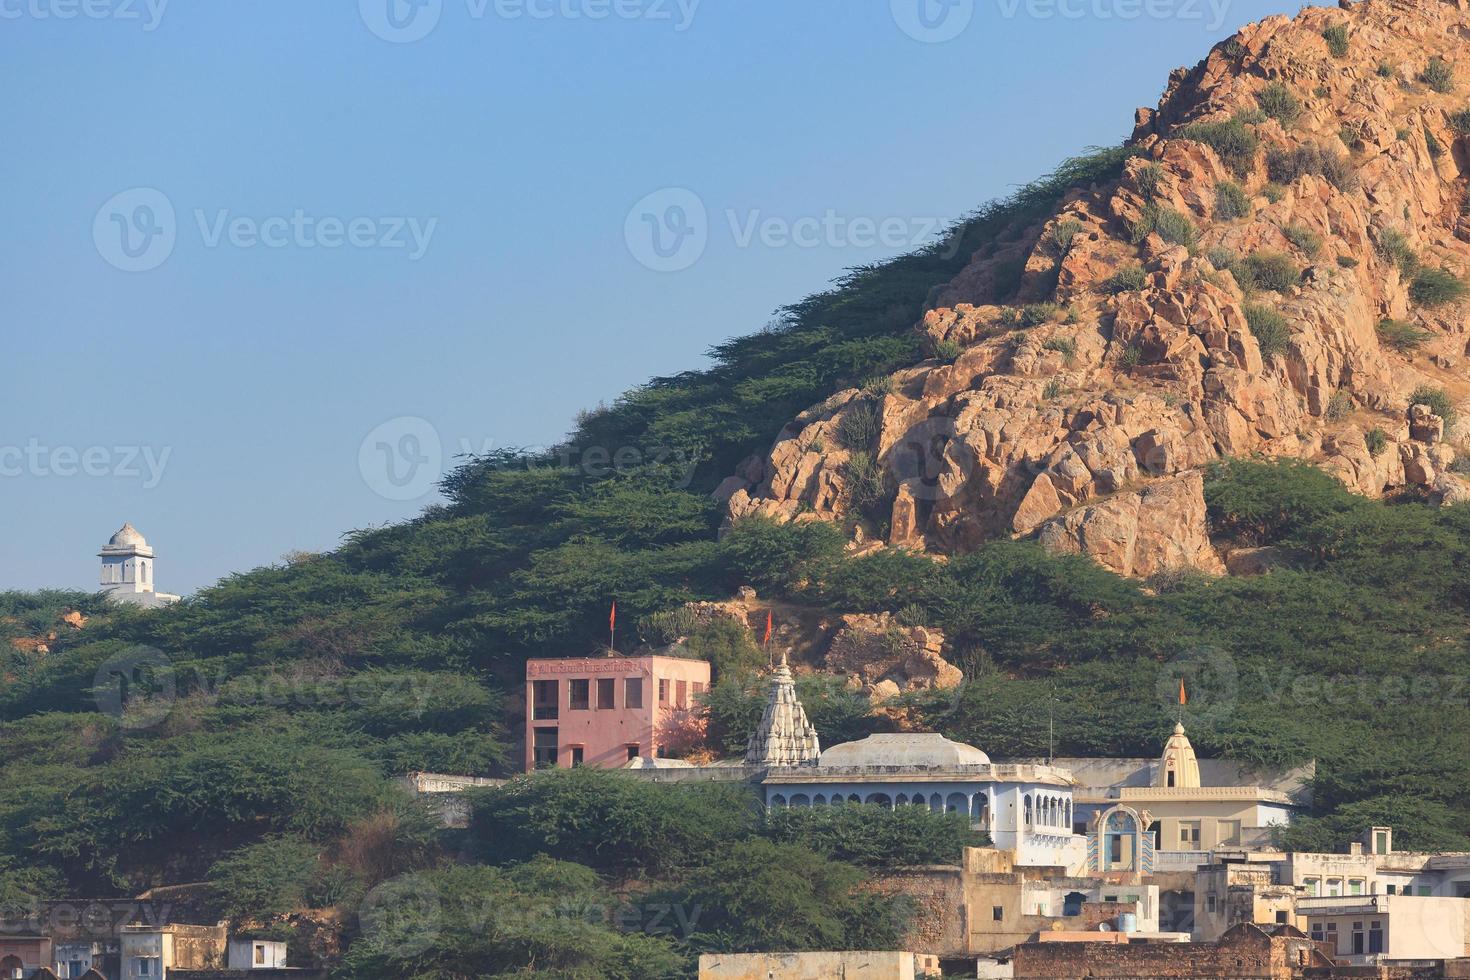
(997, 913)
(681, 694)
(1210, 903)
(1317, 932)
(260, 954)
(605, 693)
(579, 694)
(1281, 918)
(1171, 777)
(1334, 887)
(633, 752)
(576, 756)
(1314, 885)
(147, 966)
(1423, 890)
(544, 695)
(633, 692)
(1393, 889)
(697, 688)
(543, 748)
(1380, 842)
(1375, 937)
(1189, 833)
(1355, 886)
(663, 690)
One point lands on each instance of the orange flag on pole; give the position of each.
(767, 640)
(612, 617)
(1183, 698)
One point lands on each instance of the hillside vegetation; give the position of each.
(267, 716)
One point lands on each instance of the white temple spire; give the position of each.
(784, 737)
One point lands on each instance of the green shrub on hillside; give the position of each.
(1400, 336)
(947, 351)
(1460, 122)
(1168, 224)
(1438, 75)
(1438, 401)
(1303, 238)
(857, 429)
(1286, 166)
(1278, 102)
(1394, 246)
(1336, 37)
(1231, 201)
(1275, 271)
(605, 820)
(1376, 441)
(1150, 175)
(1232, 141)
(1269, 328)
(874, 836)
(1128, 279)
(1436, 287)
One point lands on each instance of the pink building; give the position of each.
(605, 711)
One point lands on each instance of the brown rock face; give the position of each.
(884, 658)
(1085, 421)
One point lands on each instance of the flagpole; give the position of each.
(612, 628)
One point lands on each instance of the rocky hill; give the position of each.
(1276, 271)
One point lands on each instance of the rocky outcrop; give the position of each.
(1083, 402)
(884, 658)
(1155, 529)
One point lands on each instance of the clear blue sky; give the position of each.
(518, 144)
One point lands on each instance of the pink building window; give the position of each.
(605, 688)
(544, 697)
(579, 694)
(633, 692)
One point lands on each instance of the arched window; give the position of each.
(11, 968)
(881, 799)
(854, 798)
(800, 799)
(902, 800)
(979, 811)
(936, 803)
(778, 800)
(819, 800)
(1027, 809)
(957, 803)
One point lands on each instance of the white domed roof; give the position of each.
(904, 750)
(127, 536)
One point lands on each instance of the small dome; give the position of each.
(904, 750)
(127, 536)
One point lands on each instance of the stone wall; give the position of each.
(938, 893)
